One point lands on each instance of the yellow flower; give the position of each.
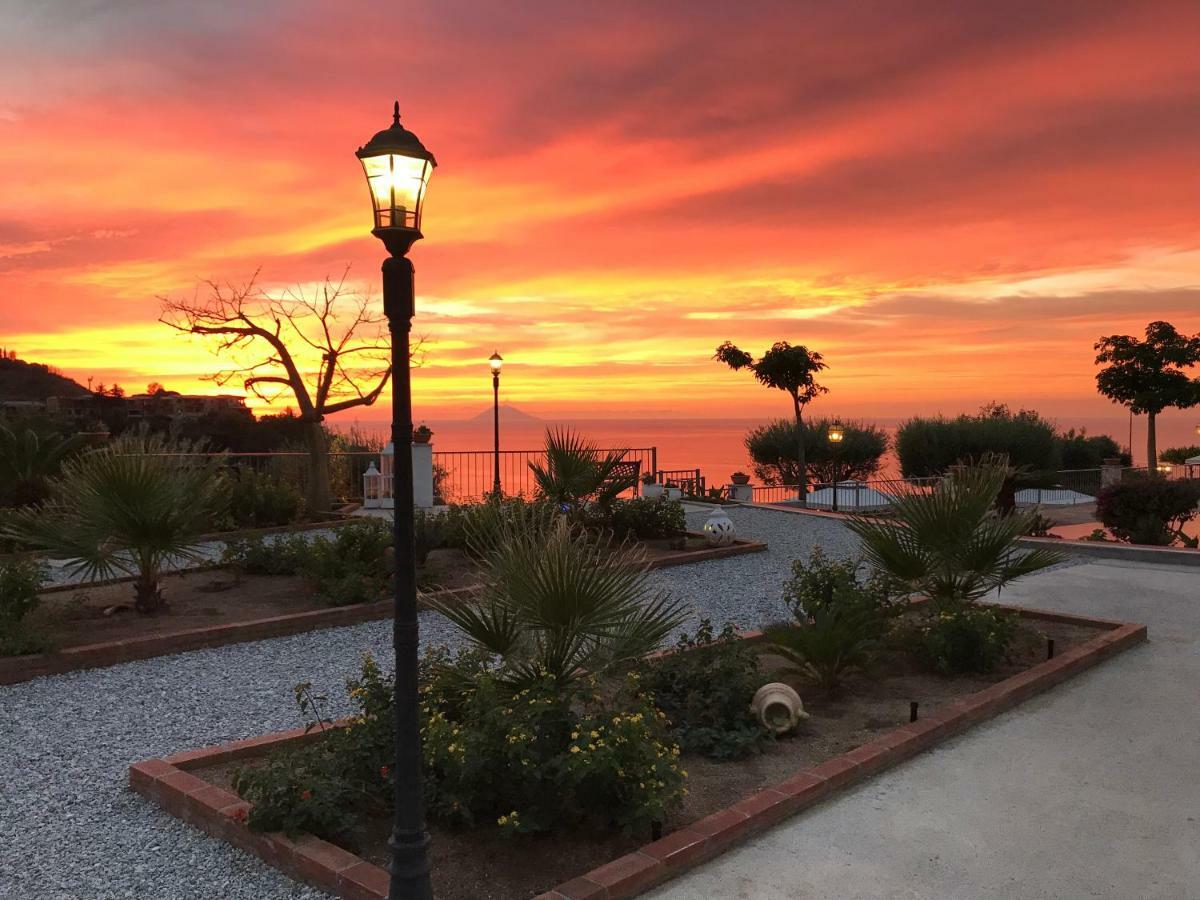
(595, 734)
(503, 820)
(575, 749)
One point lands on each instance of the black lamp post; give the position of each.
(398, 167)
(836, 435)
(495, 361)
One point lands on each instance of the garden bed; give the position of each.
(846, 739)
(212, 606)
(208, 608)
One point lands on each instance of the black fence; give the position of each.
(466, 476)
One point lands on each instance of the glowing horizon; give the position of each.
(951, 204)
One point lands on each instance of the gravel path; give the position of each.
(69, 826)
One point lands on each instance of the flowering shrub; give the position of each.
(525, 761)
(968, 639)
(19, 583)
(646, 518)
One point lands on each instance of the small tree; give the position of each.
(773, 450)
(790, 369)
(325, 351)
(1148, 376)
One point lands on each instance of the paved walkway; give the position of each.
(1092, 790)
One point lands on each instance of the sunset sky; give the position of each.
(951, 201)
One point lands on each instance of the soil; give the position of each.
(481, 864)
(203, 598)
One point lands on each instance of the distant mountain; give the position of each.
(507, 414)
(21, 380)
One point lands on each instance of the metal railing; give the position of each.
(465, 476)
(690, 481)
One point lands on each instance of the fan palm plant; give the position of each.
(833, 644)
(950, 545)
(29, 459)
(556, 601)
(575, 472)
(133, 508)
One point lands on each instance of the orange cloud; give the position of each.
(951, 202)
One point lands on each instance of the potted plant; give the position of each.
(651, 488)
(421, 434)
(739, 477)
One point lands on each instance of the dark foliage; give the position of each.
(774, 449)
(1146, 509)
(705, 688)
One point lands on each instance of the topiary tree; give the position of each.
(773, 450)
(790, 369)
(1148, 376)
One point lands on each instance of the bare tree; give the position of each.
(324, 349)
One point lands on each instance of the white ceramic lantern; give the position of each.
(719, 529)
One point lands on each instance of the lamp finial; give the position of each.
(396, 113)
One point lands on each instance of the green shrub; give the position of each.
(349, 566)
(533, 760)
(930, 446)
(965, 640)
(1080, 450)
(825, 584)
(647, 518)
(19, 584)
(774, 450)
(276, 554)
(705, 688)
(260, 500)
(1148, 509)
(834, 643)
(1179, 455)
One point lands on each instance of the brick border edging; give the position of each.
(739, 547)
(309, 859)
(16, 669)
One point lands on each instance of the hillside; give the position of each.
(507, 414)
(21, 380)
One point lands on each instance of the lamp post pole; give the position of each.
(398, 167)
(409, 841)
(494, 362)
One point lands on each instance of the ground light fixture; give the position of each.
(495, 363)
(398, 167)
(836, 435)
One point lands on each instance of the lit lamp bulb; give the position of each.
(836, 433)
(495, 361)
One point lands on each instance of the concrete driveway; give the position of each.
(1091, 790)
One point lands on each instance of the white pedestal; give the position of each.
(743, 493)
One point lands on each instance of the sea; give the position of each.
(717, 447)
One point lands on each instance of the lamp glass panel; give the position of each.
(397, 189)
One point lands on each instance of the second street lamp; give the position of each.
(495, 362)
(836, 435)
(398, 167)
